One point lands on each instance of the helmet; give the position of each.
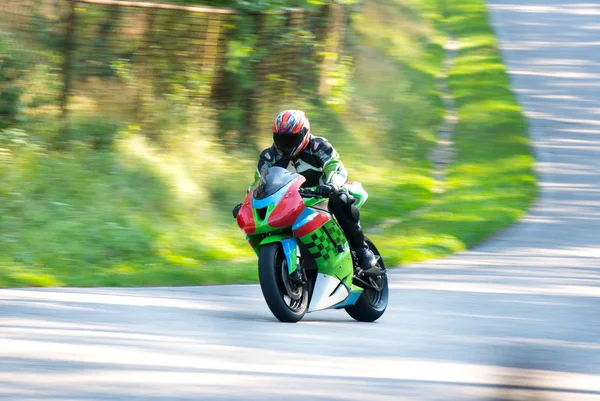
(291, 132)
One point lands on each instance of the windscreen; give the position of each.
(271, 181)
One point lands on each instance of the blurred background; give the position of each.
(130, 130)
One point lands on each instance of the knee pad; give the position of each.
(344, 198)
(345, 203)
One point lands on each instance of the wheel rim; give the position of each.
(376, 298)
(293, 295)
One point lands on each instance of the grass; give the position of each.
(492, 182)
(117, 210)
(105, 218)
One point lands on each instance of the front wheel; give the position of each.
(287, 299)
(372, 303)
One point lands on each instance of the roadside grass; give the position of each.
(134, 214)
(492, 182)
(90, 218)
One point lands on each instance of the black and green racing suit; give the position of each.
(320, 164)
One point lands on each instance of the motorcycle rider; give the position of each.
(297, 150)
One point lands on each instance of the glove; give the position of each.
(326, 190)
(236, 210)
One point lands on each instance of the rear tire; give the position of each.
(288, 302)
(371, 304)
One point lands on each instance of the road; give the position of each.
(517, 318)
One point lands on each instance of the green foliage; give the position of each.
(47, 29)
(264, 5)
(13, 62)
(13, 141)
(98, 133)
(86, 217)
(42, 86)
(340, 79)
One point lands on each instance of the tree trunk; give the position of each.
(68, 48)
(253, 103)
(144, 75)
(333, 42)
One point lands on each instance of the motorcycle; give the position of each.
(305, 263)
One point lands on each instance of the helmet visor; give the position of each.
(286, 143)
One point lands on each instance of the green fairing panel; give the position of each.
(254, 241)
(355, 288)
(262, 225)
(275, 238)
(326, 253)
(287, 241)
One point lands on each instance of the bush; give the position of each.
(13, 63)
(97, 132)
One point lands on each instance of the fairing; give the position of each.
(328, 292)
(289, 207)
(245, 217)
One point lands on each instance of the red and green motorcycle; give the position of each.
(305, 263)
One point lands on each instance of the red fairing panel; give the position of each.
(289, 207)
(312, 225)
(245, 219)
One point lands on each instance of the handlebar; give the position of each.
(308, 193)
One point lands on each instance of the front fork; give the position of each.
(292, 256)
(290, 248)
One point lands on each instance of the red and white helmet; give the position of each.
(291, 132)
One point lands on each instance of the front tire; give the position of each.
(371, 304)
(287, 301)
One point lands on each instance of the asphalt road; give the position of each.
(518, 318)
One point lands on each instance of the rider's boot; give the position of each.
(367, 261)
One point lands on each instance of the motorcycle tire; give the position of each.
(272, 271)
(371, 305)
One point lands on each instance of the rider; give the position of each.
(297, 150)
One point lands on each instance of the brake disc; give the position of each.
(293, 290)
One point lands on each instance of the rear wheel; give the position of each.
(372, 303)
(287, 298)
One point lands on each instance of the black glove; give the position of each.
(326, 190)
(236, 210)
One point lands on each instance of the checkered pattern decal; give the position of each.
(336, 233)
(319, 244)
